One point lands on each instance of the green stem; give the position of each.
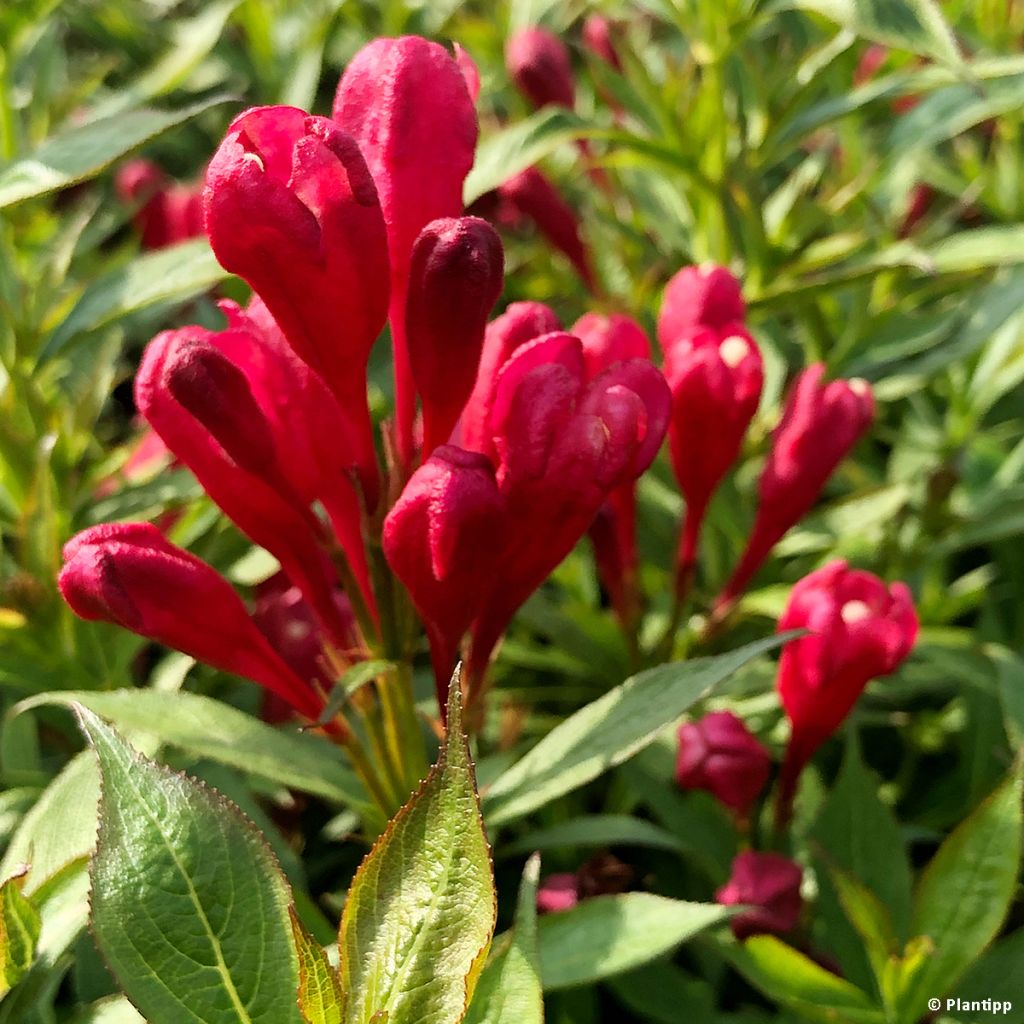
(402, 727)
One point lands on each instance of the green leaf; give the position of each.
(596, 830)
(914, 25)
(964, 894)
(208, 728)
(189, 907)
(60, 828)
(420, 913)
(113, 1010)
(357, 675)
(507, 152)
(997, 975)
(611, 730)
(608, 935)
(85, 150)
(790, 978)
(175, 274)
(19, 932)
(869, 916)
(320, 996)
(510, 991)
(658, 991)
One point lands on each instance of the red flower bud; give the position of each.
(535, 197)
(597, 37)
(558, 892)
(519, 324)
(538, 63)
(167, 212)
(819, 426)
(292, 208)
(860, 629)
(704, 296)
(454, 280)
(131, 575)
(407, 104)
(442, 539)
(610, 339)
(718, 754)
(770, 884)
(716, 378)
(919, 202)
(470, 72)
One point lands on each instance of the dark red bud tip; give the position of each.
(90, 585)
(538, 63)
(770, 885)
(597, 37)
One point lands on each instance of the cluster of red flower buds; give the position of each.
(507, 438)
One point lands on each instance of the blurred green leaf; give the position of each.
(596, 830)
(19, 933)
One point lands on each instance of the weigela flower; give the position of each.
(859, 630)
(716, 376)
(717, 753)
(597, 37)
(166, 212)
(455, 278)
(770, 885)
(820, 424)
(538, 63)
(558, 892)
(704, 296)
(407, 104)
(131, 575)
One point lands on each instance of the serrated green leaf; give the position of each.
(83, 151)
(611, 730)
(420, 913)
(320, 997)
(175, 274)
(608, 935)
(964, 895)
(113, 1010)
(189, 907)
(19, 933)
(510, 150)
(209, 728)
(510, 990)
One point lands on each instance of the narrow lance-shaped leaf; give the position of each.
(420, 913)
(320, 997)
(510, 991)
(19, 932)
(189, 907)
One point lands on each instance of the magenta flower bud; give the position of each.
(442, 540)
(469, 69)
(131, 575)
(770, 885)
(859, 630)
(506, 334)
(718, 754)
(535, 197)
(167, 212)
(538, 63)
(704, 296)
(610, 339)
(408, 106)
(558, 892)
(819, 426)
(716, 376)
(597, 37)
(455, 278)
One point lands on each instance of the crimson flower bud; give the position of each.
(919, 202)
(597, 37)
(819, 426)
(718, 754)
(131, 575)
(704, 296)
(716, 378)
(535, 197)
(538, 63)
(407, 104)
(292, 208)
(455, 278)
(770, 885)
(558, 892)
(860, 630)
(442, 538)
(506, 334)
(167, 212)
(469, 69)
(610, 339)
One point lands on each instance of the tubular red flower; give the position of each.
(716, 376)
(538, 63)
(131, 575)
(521, 323)
(535, 197)
(718, 754)
(597, 37)
(819, 426)
(407, 103)
(770, 885)
(291, 207)
(442, 538)
(860, 630)
(704, 296)
(455, 278)
(469, 69)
